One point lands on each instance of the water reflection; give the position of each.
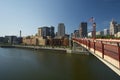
(20, 64)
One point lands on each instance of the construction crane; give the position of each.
(92, 20)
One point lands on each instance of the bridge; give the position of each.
(106, 50)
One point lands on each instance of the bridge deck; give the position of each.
(106, 50)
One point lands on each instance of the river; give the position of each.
(23, 64)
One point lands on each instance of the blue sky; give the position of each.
(28, 15)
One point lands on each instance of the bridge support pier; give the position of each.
(74, 46)
(77, 48)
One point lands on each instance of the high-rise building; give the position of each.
(40, 32)
(76, 33)
(46, 31)
(83, 29)
(113, 27)
(118, 25)
(61, 30)
(52, 33)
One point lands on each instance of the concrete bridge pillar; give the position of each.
(74, 46)
(82, 49)
(77, 48)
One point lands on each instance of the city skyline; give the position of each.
(28, 15)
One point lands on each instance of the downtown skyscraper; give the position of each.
(61, 30)
(113, 27)
(83, 29)
(46, 31)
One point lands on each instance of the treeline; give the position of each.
(106, 37)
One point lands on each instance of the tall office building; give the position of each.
(52, 33)
(76, 33)
(113, 27)
(61, 30)
(46, 31)
(118, 26)
(40, 32)
(83, 29)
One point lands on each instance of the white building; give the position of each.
(89, 34)
(106, 32)
(113, 27)
(99, 33)
(117, 34)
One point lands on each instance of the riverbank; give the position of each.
(61, 49)
(5, 45)
(40, 48)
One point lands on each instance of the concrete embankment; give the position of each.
(7, 46)
(65, 50)
(41, 48)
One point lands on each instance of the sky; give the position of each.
(29, 15)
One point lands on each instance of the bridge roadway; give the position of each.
(106, 50)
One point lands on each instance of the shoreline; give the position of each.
(64, 50)
(7, 46)
(40, 48)
(35, 47)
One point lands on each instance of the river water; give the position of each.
(22, 64)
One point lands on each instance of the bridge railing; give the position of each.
(108, 50)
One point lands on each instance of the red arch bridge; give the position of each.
(106, 50)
